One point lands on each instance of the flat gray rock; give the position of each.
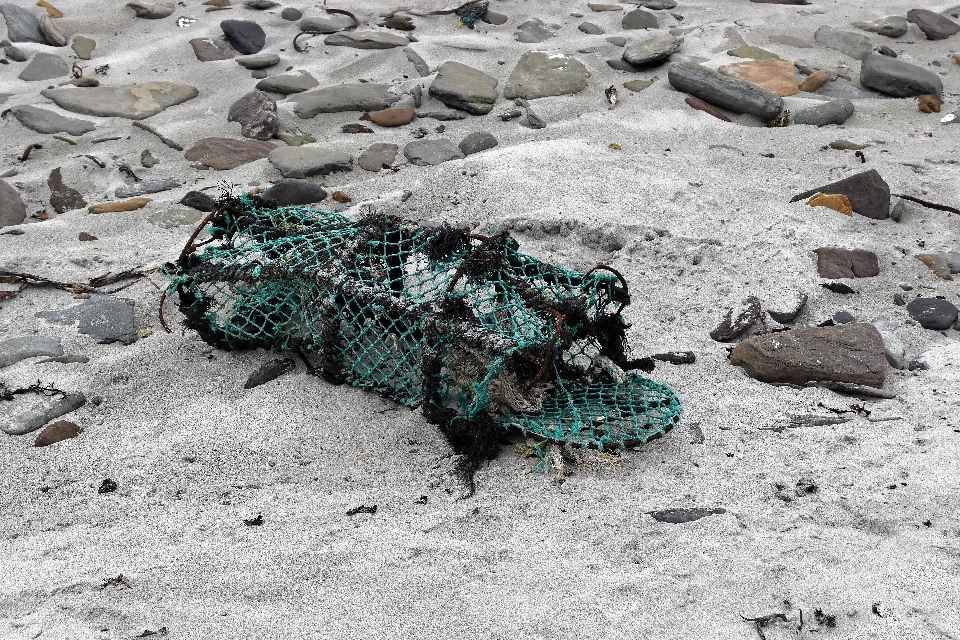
(343, 97)
(31, 411)
(591, 29)
(330, 23)
(652, 49)
(476, 142)
(442, 114)
(463, 87)
(303, 162)
(144, 187)
(366, 40)
(538, 75)
(725, 92)
(212, 49)
(22, 26)
(223, 154)
(791, 41)
(261, 61)
(640, 19)
(257, 114)
(45, 66)
(83, 47)
(105, 318)
(953, 261)
(294, 192)
(853, 44)
(377, 156)
(535, 30)
(12, 209)
(135, 102)
(891, 26)
(933, 25)
(14, 53)
(832, 112)
(418, 63)
(898, 78)
(46, 121)
(431, 152)
(287, 84)
(13, 350)
(51, 32)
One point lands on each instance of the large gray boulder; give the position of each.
(46, 121)
(343, 97)
(898, 78)
(465, 88)
(303, 162)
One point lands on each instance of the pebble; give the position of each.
(136, 102)
(431, 152)
(147, 160)
(793, 304)
(199, 200)
(212, 49)
(932, 313)
(83, 47)
(929, 104)
(113, 207)
(13, 350)
(937, 264)
(657, 47)
(366, 40)
(378, 156)
(814, 81)
(62, 197)
(260, 5)
(51, 32)
(774, 75)
(834, 262)
(14, 53)
(656, 5)
(57, 432)
(330, 23)
(476, 142)
(933, 25)
(891, 26)
(844, 317)
(851, 353)
(294, 192)
(22, 26)
(174, 217)
(287, 84)
(257, 114)
(245, 36)
(869, 194)
(303, 162)
(639, 19)
(40, 412)
(723, 91)
(46, 121)
(143, 187)
(343, 97)
(226, 153)
(462, 87)
(617, 41)
(262, 61)
(539, 75)
(152, 11)
(590, 29)
(105, 318)
(392, 117)
(400, 23)
(832, 112)
(733, 326)
(418, 62)
(898, 78)
(535, 30)
(45, 66)
(291, 15)
(12, 209)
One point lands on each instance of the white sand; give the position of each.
(527, 557)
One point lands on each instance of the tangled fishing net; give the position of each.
(478, 335)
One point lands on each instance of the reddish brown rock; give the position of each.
(732, 327)
(834, 262)
(775, 75)
(57, 432)
(392, 117)
(124, 205)
(226, 153)
(930, 103)
(62, 197)
(700, 105)
(814, 81)
(845, 353)
(936, 263)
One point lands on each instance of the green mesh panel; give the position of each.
(460, 325)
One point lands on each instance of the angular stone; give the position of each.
(834, 262)
(535, 30)
(366, 40)
(832, 112)
(431, 152)
(84, 47)
(590, 29)
(343, 97)
(257, 114)
(57, 432)
(617, 41)
(898, 78)
(893, 349)
(936, 263)
(377, 156)
(465, 88)
(262, 61)
(14, 53)
(869, 194)
(245, 36)
(734, 326)
(22, 26)
(45, 66)
(62, 197)
(932, 313)
(835, 201)
(287, 84)
(175, 217)
(754, 53)
(13, 350)
(42, 411)
(814, 81)
(146, 186)
(933, 25)
(640, 19)
(46, 121)
(330, 23)
(848, 353)
(652, 49)
(393, 117)
(853, 44)
(891, 26)
(105, 318)
(12, 209)
(723, 91)
(198, 200)
(226, 153)
(152, 11)
(418, 62)
(303, 162)
(51, 32)
(790, 41)
(136, 101)
(125, 205)
(790, 307)
(294, 192)
(774, 75)
(212, 49)
(539, 75)
(476, 142)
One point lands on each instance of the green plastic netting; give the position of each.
(465, 327)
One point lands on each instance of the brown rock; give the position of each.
(833, 262)
(355, 127)
(377, 156)
(62, 197)
(86, 237)
(151, 11)
(51, 10)
(124, 205)
(341, 197)
(732, 327)
(930, 103)
(226, 153)
(604, 7)
(393, 117)
(814, 81)
(869, 194)
(844, 353)
(57, 432)
(835, 201)
(210, 49)
(776, 76)
(700, 105)
(937, 263)
(956, 58)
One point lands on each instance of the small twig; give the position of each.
(297, 37)
(26, 152)
(167, 141)
(100, 163)
(930, 205)
(344, 12)
(67, 140)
